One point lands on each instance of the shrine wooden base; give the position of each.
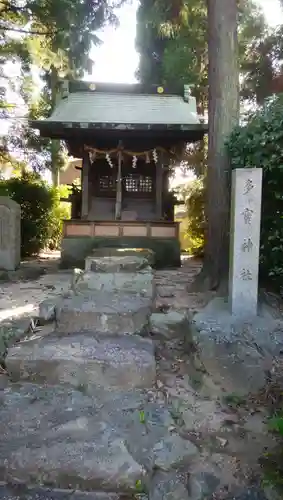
(80, 237)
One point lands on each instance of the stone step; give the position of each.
(22, 492)
(110, 442)
(140, 283)
(104, 312)
(119, 260)
(85, 361)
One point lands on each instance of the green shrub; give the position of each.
(272, 461)
(60, 210)
(195, 202)
(260, 144)
(41, 211)
(183, 233)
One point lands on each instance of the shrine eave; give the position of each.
(67, 130)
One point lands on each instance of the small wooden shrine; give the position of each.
(127, 137)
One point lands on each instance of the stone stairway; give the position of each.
(80, 419)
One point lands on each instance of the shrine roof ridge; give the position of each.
(125, 88)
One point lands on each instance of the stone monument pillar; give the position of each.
(10, 234)
(245, 241)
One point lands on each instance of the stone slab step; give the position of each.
(119, 260)
(140, 283)
(60, 438)
(22, 492)
(85, 361)
(110, 313)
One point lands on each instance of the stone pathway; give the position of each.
(110, 404)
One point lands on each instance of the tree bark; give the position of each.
(223, 112)
(55, 144)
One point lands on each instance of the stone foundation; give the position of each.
(76, 249)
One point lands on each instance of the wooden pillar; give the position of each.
(118, 206)
(159, 189)
(85, 185)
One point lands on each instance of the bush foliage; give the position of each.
(259, 143)
(272, 461)
(194, 197)
(41, 211)
(60, 211)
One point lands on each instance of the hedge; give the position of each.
(259, 143)
(41, 211)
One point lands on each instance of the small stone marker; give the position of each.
(10, 234)
(245, 241)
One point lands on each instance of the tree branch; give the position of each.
(29, 32)
(7, 7)
(15, 9)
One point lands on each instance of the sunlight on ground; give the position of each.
(17, 311)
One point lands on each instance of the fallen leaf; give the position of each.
(223, 442)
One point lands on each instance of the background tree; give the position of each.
(57, 38)
(183, 57)
(173, 46)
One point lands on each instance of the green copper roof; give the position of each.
(101, 107)
(83, 103)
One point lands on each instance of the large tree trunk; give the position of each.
(55, 144)
(223, 111)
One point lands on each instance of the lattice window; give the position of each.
(107, 183)
(135, 183)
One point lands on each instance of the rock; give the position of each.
(85, 361)
(246, 494)
(103, 463)
(22, 492)
(199, 415)
(13, 331)
(66, 439)
(140, 283)
(169, 324)
(256, 424)
(149, 425)
(237, 367)
(103, 312)
(237, 354)
(166, 291)
(172, 452)
(119, 259)
(202, 485)
(232, 419)
(168, 486)
(47, 311)
(61, 439)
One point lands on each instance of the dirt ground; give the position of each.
(231, 432)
